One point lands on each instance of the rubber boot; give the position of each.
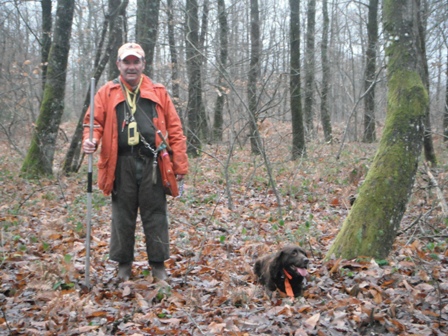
(158, 270)
(124, 271)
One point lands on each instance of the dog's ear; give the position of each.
(276, 263)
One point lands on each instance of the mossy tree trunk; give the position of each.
(371, 227)
(298, 135)
(39, 159)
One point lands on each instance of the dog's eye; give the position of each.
(294, 253)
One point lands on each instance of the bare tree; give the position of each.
(372, 225)
(174, 59)
(445, 113)
(46, 37)
(370, 73)
(324, 110)
(39, 159)
(298, 136)
(194, 75)
(309, 67)
(254, 74)
(147, 28)
(117, 8)
(222, 62)
(428, 146)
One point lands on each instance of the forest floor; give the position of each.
(217, 230)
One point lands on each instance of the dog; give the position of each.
(284, 270)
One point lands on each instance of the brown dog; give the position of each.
(283, 270)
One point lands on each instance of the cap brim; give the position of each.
(130, 53)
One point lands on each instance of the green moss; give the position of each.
(370, 228)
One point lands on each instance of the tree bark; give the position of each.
(310, 68)
(371, 227)
(116, 25)
(147, 29)
(254, 73)
(445, 113)
(175, 94)
(324, 112)
(39, 159)
(194, 104)
(46, 38)
(428, 146)
(298, 135)
(204, 130)
(369, 100)
(222, 63)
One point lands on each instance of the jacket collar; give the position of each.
(147, 90)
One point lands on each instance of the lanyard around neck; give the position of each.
(131, 97)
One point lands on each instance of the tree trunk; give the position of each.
(204, 130)
(371, 227)
(194, 104)
(39, 159)
(428, 146)
(73, 158)
(222, 63)
(445, 114)
(309, 68)
(369, 100)
(175, 94)
(147, 28)
(46, 38)
(324, 112)
(298, 136)
(118, 12)
(254, 73)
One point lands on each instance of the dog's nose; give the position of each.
(306, 261)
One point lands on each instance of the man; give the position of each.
(129, 112)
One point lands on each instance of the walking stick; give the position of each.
(89, 181)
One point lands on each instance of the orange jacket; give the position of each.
(106, 128)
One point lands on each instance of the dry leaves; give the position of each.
(212, 289)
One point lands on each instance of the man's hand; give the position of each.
(179, 177)
(89, 147)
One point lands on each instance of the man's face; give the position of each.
(131, 69)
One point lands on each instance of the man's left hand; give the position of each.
(179, 177)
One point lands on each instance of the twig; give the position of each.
(442, 201)
(410, 226)
(434, 236)
(194, 322)
(4, 315)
